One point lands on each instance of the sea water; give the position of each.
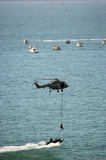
(29, 116)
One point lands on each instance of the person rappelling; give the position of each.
(61, 126)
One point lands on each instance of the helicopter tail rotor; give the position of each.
(35, 82)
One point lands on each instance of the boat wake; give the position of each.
(72, 40)
(28, 146)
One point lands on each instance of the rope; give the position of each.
(62, 108)
(61, 126)
(58, 134)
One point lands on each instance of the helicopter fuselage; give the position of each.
(55, 84)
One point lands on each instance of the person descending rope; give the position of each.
(61, 126)
(61, 117)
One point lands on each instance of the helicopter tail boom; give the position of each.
(41, 86)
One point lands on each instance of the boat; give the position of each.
(33, 49)
(80, 44)
(56, 47)
(67, 41)
(26, 41)
(60, 140)
(104, 41)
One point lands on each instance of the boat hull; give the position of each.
(80, 44)
(56, 47)
(104, 41)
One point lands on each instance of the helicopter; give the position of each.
(55, 84)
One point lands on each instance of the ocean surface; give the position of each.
(29, 116)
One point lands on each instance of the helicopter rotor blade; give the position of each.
(45, 78)
(39, 78)
(65, 78)
(51, 78)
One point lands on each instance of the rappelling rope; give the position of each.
(61, 115)
(62, 108)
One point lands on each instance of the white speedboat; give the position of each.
(80, 44)
(26, 41)
(56, 47)
(104, 41)
(30, 47)
(33, 49)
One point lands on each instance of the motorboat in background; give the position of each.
(104, 41)
(56, 47)
(80, 44)
(33, 49)
(26, 41)
(67, 41)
